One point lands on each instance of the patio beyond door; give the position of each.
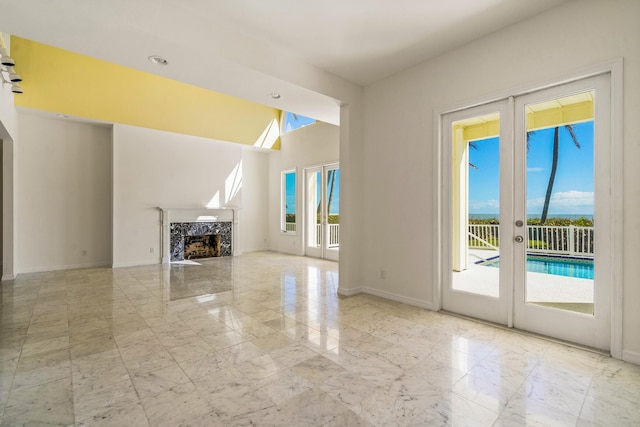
(529, 237)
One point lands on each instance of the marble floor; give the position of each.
(263, 339)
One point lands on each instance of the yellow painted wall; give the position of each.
(64, 82)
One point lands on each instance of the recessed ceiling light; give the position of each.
(62, 116)
(158, 60)
(274, 95)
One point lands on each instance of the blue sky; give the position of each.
(290, 190)
(573, 188)
(335, 201)
(295, 121)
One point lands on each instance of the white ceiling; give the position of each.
(248, 48)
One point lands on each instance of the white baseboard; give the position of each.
(349, 292)
(631, 356)
(250, 250)
(7, 277)
(387, 295)
(135, 263)
(399, 298)
(65, 267)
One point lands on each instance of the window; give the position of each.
(288, 209)
(294, 121)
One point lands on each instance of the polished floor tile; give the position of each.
(264, 339)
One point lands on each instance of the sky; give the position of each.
(290, 191)
(573, 188)
(295, 121)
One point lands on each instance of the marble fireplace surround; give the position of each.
(196, 215)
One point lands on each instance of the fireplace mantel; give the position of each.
(189, 214)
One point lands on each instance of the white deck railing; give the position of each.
(290, 226)
(551, 239)
(334, 234)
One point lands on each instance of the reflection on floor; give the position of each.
(279, 347)
(198, 278)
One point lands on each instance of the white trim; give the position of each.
(349, 292)
(399, 298)
(438, 272)
(105, 264)
(617, 208)
(8, 277)
(136, 263)
(631, 356)
(390, 296)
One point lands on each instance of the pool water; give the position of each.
(570, 267)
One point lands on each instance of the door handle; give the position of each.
(519, 239)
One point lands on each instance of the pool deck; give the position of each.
(540, 287)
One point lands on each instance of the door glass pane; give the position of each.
(333, 207)
(560, 203)
(476, 205)
(289, 201)
(314, 209)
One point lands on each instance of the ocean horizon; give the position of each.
(533, 216)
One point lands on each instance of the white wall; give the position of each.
(254, 216)
(154, 168)
(63, 195)
(399, 146)
(308, 146)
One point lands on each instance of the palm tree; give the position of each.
(554, 167)
(473, 146)
(332, 177)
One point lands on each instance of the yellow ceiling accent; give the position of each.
(558, 112)
(64, 82)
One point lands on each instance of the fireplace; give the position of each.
(201, 246)
(190, 233)
(181, 232)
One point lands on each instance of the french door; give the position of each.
(528, 218)
(322, 211)
(481, 293)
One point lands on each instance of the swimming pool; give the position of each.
(570, 267)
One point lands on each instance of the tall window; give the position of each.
(288, 208)
(294, 121)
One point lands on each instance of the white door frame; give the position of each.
(324, 251)
(443, 198)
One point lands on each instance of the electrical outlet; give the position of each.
(383, 274)
(150, 250)
(84, 252)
